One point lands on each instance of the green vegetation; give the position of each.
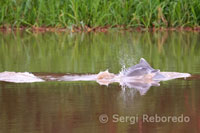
(131, 13)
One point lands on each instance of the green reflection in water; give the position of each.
(90, 53)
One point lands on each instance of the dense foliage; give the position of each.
(66, 13)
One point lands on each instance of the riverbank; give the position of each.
(96, 29)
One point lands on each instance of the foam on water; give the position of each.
(19, 77)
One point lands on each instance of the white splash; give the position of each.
(19, 77)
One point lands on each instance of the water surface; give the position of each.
(58, 106)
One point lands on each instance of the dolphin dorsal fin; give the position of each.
(143, 62)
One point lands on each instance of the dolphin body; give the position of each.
(140, 76)
(143, 70)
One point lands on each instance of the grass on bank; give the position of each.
(131, 13)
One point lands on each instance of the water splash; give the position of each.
(123, 71)
(19, 77)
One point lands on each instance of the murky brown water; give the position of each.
(59, 106)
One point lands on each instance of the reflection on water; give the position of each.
(75, 106)
(90, 53)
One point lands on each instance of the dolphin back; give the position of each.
(140, 69)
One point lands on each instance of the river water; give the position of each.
(86, 106)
